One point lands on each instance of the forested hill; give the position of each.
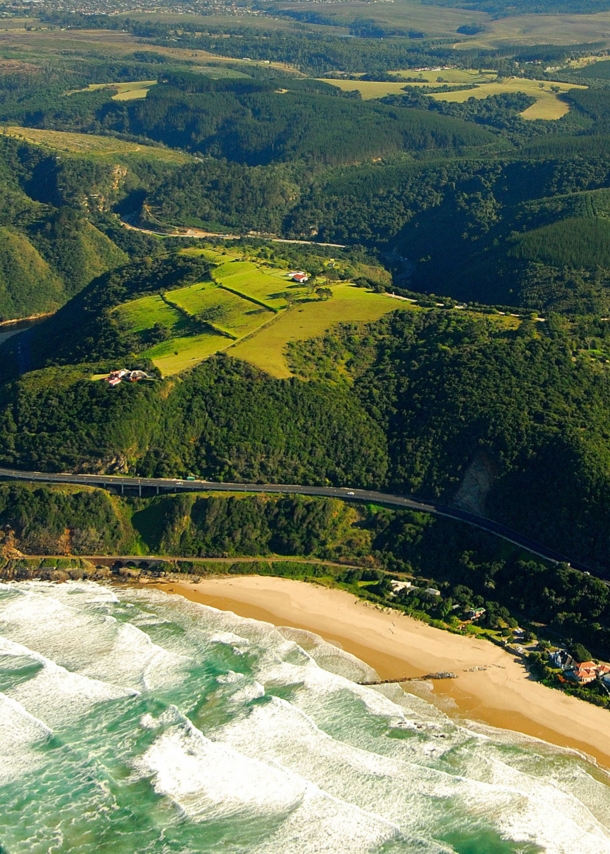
(412, 404)
(258, 121)
(48, 249)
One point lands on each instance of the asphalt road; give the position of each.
(120, 483)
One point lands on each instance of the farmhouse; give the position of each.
(299, 276)
(115, 377)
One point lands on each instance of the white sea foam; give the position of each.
(208, 780)
(41, 621)
(538, 811)
(19, 731)
(54, 621)
(329, 656)
(134, 660)
(55, 694)
(326, 766)
(326, 825)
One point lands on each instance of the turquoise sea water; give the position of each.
(133, 721)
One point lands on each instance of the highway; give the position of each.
(121, 483)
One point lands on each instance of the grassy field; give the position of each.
(265, 284)
(227, 311)
(236, 312)
(547, 106)
(135, 90)
(90, 144)
(544, 29)
(266, 348)
(370, 89)
(146, 312)
(436, 21)
(252, 332)
(43, 44)
(179, 354)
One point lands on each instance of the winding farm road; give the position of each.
(122, 484)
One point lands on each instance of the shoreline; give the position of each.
(32, 318)
(492, 687)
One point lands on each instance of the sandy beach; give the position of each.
(492, 686)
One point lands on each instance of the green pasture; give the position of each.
(146, 312)
(266, 348)
(226, 310)
(178, 354)
(261, 335)
(268, 285)
(92, 144)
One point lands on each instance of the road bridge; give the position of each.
(141, 485)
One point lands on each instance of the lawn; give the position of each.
(91, 144)
(227, 311)
(266, 349)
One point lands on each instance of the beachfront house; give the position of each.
(583, 673)
(562, 659)
(398, 586)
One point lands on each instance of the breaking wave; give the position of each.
(131, 720)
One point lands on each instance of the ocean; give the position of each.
(135, 721)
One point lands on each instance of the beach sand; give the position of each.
(502, 694)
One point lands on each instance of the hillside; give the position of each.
(178, 310)
(411, 402)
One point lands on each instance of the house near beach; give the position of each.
(562, 659)
(587, 672)
(397, 586)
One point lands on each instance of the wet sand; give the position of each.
(501, 693)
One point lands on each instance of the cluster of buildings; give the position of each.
(580, 672)
(115, 377)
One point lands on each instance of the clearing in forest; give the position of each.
(136, 89)
(481, 84)
(548, 105)
(250, 309)
(266, 349)
(93, 145)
